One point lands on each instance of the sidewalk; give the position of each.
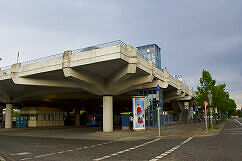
(182, 130)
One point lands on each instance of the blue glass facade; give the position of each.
(151, 52)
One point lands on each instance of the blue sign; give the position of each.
(195, 108)
(158, 87)
(138, 112)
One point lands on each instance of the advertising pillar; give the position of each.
(139, 113)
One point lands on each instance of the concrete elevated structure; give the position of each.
(107, 70)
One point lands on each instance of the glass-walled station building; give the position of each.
(151, 52)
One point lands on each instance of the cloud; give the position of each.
(193, 34)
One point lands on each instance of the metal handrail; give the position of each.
(5, 68)
(73, 52)
(172, 77)
(41, 59)
(99, 46)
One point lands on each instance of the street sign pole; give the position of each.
(210, 97)
(206, 125)
(158, 109)
(211, 117)
(158, 120)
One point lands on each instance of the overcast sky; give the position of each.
(193, 34)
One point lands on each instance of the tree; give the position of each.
(207, 83)
(220, 97)
(231, 107)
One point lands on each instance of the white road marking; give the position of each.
(114, 154)
(171, 150)
(162, 155)
(233, 133)
(23, 153)
(40, 156)
(44, 155)
(26, 159)
(126, 150)
(70, 150)
(238, 122)
(235, 129)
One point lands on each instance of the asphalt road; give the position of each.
(225, 146)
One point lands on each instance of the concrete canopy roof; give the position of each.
(112, 69)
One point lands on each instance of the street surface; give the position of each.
(225, 146)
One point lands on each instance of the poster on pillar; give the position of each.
(138, 113)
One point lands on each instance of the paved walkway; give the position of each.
(183, 130)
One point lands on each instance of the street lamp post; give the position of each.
(158, 109)
(205, 113)
(210, 103)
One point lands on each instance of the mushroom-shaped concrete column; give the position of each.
(9, 115)
(107, 113)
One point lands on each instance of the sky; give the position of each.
(193, 34)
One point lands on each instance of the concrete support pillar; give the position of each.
(181, 106)
(107, 113)
(1, 115)
(9, 116)
(77, 112)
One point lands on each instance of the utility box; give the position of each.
(125, 122)
(22, 121)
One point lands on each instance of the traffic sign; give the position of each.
(205, 103)
(158, 87)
